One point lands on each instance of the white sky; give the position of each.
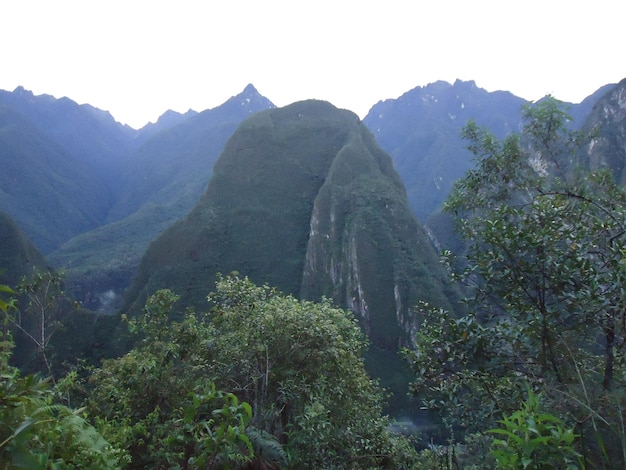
(138, 58)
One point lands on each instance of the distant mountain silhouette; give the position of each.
(168, 119)
(421, 130)
(85, 132)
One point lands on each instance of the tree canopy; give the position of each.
(262, 377)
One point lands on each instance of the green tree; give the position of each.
(297, 364)
(300, 365)
(37, 432)
(159, 401)
(546, 245)
(544, 266)
(35, 324)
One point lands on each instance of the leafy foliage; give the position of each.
(35, 430)
(530, 438)
(544, 265)
(299, 396)
(6, 305)
(42, 313)
(300, 366)
(159, 402)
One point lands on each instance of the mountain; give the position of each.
(92, 193)
(168, 119)
(421, 130)
(580, 112)
(61, 162)
(175, 165)
(18, 256)
(607, 120)
(66, 165)
(85, 132)
(302, 198)
(160, 182)
(51, 193)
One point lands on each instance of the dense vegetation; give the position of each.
(37, 430)
(529, 375)
(540, 355)
(262, 379)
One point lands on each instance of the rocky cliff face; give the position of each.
(607, 121)
(365, 250)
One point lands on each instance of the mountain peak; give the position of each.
(20, 90)
(466, 83)
(249, 89)
(251, 99)
(171, 117)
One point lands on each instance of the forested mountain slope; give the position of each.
(18, 256)
(302, 198)
(52, 194)
(159, 183)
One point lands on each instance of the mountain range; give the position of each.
(421, 130)
(92, 194)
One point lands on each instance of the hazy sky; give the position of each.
(138, 58)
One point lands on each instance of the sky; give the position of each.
(139, 58)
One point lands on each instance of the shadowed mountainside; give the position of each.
(159, 184)
(18, 256)
(52, 194)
